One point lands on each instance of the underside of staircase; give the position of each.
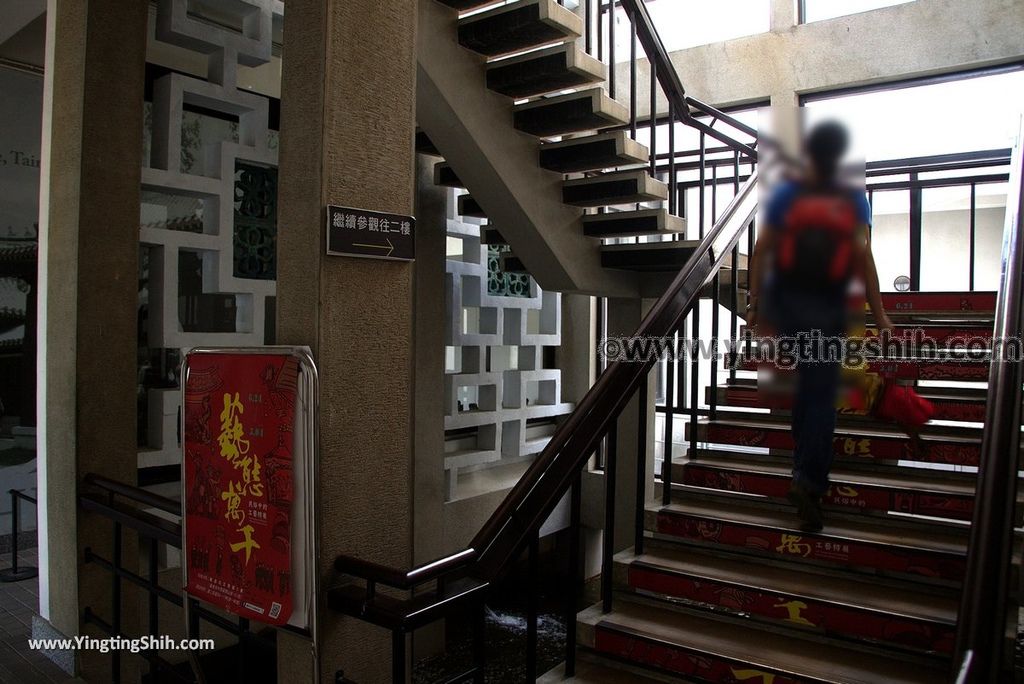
(520, 116)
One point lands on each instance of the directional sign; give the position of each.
(370, 234)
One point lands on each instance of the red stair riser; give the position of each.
(944, 409)
(919, 369)
(794, 610)
(860, 497)
(909, 302)
(820, 547)
(938, 334)
(675, 659)
(959, 410)
(888, 448)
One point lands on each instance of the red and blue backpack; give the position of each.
(817, 242)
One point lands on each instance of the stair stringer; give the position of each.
(472, 128)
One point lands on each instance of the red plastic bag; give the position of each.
(901, 404)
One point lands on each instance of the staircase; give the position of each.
(721, 585)
(542, 149)
(729, 589)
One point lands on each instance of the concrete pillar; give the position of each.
(348, 105)
(784, 15)
(786, 119)
(624, 316)
(577, 355)
(88, 299)
(429, 325)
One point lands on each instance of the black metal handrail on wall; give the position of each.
(983, 648)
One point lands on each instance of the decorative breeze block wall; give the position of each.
(495, 381)
(212, 201)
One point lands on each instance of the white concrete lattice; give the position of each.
(212, 181)
(511, 392)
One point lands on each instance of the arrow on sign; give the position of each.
(389, 247)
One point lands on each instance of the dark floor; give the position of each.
(505, 639)
(19, 601)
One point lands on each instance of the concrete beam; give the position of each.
(918, 38)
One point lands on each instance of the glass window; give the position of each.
(989, 216)
(683, 25)
(965, 115)
(890, 236)
(945, 236)
(816, 10)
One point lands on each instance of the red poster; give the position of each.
(238, 477)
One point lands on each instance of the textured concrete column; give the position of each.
(88, 298)
(624, 316)
(784, 15)
(786, 119)
(577, 355)
(429, 323)
(348, 105)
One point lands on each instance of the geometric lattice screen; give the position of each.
(208, 228)
(500, 399)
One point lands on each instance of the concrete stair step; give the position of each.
(424, 144)
(648, 256)
(593, 153)
(465, 5)
(445, 175)
(545, 71)
(958, 304)
(849, 442)
(584, 110)
(491, 236)
(961, 406)
(703, 648)
(617, 224)
(510, 263)
(908, 491)
(887, 547)
(796, 598)
(941, 333)
(620, 187)
(518, 26)
(469, 207)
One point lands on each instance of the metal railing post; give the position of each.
(479, 644)
(608, 549)
(641, 467)
(115, 601)
(574, 572)
(17, 572)
(533, 550)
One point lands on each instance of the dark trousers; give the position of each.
(796, 313)
(814, 424)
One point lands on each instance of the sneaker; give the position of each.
(808, 508)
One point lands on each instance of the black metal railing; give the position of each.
(983, 650)
(17, 572)
(125, 507)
